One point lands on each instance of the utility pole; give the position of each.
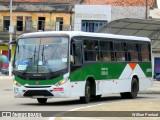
(146, 9)
(11, 30)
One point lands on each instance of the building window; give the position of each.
(92, 26)
(20, 23)
(59, 24)
(41, 23)
(28, 23)
(6, 22)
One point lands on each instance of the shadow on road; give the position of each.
(77, 101)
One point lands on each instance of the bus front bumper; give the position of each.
(41, 91)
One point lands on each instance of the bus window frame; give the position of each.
(114, 40)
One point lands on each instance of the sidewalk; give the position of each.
(155, 89)
(5, 77)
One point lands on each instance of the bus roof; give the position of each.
(80, 33)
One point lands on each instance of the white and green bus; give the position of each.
(79, 64)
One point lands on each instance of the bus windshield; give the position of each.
(41, 55)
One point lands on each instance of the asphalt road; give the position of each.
(9, 103)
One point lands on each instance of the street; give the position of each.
(113, 103)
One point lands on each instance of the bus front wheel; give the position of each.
(134, 90)
(87, 96)
(42, 100)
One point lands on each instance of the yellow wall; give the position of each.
(50, 18)
(6, 48)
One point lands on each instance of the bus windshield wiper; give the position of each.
(45, 60)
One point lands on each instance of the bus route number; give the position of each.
(104, 71)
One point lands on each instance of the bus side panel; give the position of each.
(105, 85)
(145, 76)
(77, 83)
(122, 84)
(141, 70)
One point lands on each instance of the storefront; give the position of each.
(4, 58)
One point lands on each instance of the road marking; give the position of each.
(127, 100)
(54, 118)
(51, 118)
(85, 107)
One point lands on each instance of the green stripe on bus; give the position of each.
(99, 71)
(40, 82)
(147, 68)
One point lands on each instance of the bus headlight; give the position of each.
(17, 83)
(61, 82)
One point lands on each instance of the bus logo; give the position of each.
(37, 83)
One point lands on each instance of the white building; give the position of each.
(90, 18)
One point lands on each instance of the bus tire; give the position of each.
(134, 90)
(42, 100)
(97, 97)
(86, 98)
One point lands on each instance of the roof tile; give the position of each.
(42, 1)
(118, 2)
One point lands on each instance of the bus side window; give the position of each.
(133, 49)
(90, 50)
(106, 51)
(76, 53)
(145, 52)
(120, 51)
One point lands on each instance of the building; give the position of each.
(93, 14)
(32, 16)
(89, 18)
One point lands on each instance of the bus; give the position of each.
(79, 64)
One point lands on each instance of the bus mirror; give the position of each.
(9, 50)
(13, 42)
(9, 54)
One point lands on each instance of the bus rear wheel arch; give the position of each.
(134, 89)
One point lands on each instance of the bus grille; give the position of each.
(37, 86)
(30, 93)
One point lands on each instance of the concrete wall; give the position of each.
(155, 13)
(39, 7)
(107, 13)
(119, 12)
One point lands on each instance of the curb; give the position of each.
(149, 92)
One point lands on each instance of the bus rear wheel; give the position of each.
(42, 100)
(86, 98)
(134, 90)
